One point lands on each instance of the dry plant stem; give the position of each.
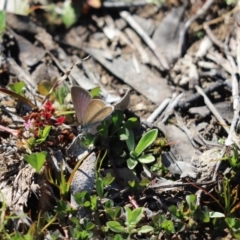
(129, 19)
(59, 65)
(137, 45)
(238, 49)
(9, 130)
(171, 107)
(183, 184)
(235, 96)
(133, 202)
(235, 85)
(136, 64)
(113, 4)
(183, 32)
(186, 104)
(216, 114)
(219, 19)
(215, 40)
(158, 110)
(208, 193)
(185, 129)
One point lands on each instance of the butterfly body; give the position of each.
(88, 111)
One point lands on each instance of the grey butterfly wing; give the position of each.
(96, 111)
(81, 99)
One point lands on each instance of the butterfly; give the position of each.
(89, 111)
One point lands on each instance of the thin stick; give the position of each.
(130, 20)
(189, 22)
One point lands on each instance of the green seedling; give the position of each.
(36, 160)
(2, 23)
(63, 185)
(69, 14)
(17, 87)
(95, 92)
(116, 126)
(136, 153)
(101, 183)
(82, 231)
(191, 215)
(42, 136)
(229, 196)
(133, 217)
(234, 226)
(84, 199)
(234, 159)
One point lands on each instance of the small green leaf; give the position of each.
(134, 216)
(123, 134)
(81, 197)
(191, 201)
(117, 118)
(205, 215)
(131, 123)
(87, 204)
(145, 229)
(168, 226)
(173, 210)
(90, 226)
(131, 163)
(44, 87)
(95, 92)
(69, 16)
(110, 212)
(99, 187)
(17, 87)
(108, 179)
(132, 184)
(144, 182)
(93, 200)
(2, 22)
(46, 131)
(113, 212)
(88, 140)
(133, 155)
(36, 160)
(216, 215)
(117, 237)
(130, 141)
(61, 93)
(109, 203)
(43, 135)
(103, 128)
(146, 158)
(146, 140)
(115, 226)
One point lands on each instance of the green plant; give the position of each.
(136, 153)
(17, 87)
(234, 159)
(101, 183)
(130, 226)
(38, 124)
(229, 197)
(2, 23)
(36, 160)
(234, 226)
(190, 216)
